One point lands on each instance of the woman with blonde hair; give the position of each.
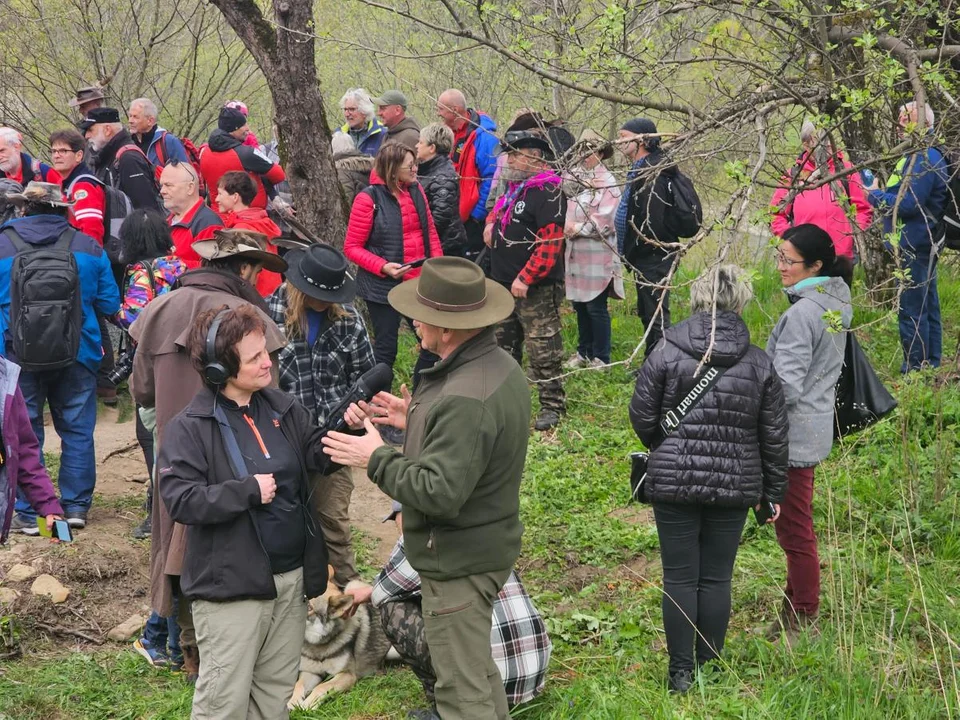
(328, 352)
(391, 227)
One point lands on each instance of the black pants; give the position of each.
(386, 327)
(698, 545)
(648, 299)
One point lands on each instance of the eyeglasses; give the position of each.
(784, 260)
(409, 167)
(350, 109)
(62, 151)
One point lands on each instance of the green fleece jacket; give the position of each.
(458, 478)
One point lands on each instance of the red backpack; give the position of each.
(193, 155)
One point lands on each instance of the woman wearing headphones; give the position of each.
(233, 468)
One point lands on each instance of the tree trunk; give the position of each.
(286, 57)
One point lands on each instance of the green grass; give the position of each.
(886, 511)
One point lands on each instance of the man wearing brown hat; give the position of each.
(164, 379)
(392, 111)
(87, 99)
(458, 477)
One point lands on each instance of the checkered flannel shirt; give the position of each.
(321, 376)
(518, 638)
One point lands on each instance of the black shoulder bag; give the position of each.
(671, 421)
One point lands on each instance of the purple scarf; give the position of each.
(517, 190)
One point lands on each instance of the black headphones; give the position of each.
(214, 372)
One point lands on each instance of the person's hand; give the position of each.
(488, 235)
(281, 206)
(776, 513)
(395, 270)
(352, 450)
(361, 593)
(387, 409)
(355, 415)
(519, 288)
(268, 487)
(50, 520)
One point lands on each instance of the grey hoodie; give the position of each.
(808, 357)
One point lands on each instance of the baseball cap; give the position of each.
(391, 97)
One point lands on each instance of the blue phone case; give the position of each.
(61, 530)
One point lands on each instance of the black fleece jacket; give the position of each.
(731, 449)
(225, 557)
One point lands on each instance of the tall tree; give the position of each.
(284, 50)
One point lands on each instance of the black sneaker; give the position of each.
(680, 682)
(143, 530)
(424, 714)
(21, 524)
(546, 419)
(76, 519)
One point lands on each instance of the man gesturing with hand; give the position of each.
(458, 477)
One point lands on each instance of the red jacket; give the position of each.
(198, 223)
(361, 223)
(256, 219)
(225, 153)
(90, 202)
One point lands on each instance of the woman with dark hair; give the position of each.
(233, 469)
(807, 346)
(390, 227)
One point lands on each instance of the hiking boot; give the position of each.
(423, 714)
(143, 530)
(680, 682)
(76, 519)
(191, 663)
(25, 526)
(108, 395)
(153, 655)
(546, 420)
(597, 363)
(576, 361)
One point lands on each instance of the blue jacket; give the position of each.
(923, 203)
(371, 139)
(98, 289)
(486, 145)
(172, 148)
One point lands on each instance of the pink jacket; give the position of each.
(591, 261)
(820, 207)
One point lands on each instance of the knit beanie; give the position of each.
(231, 119)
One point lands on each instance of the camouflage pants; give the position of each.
(534, 326)
(403, 624)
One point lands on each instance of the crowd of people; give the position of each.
(239, 352)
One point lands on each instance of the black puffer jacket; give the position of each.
(731, 449)
(439, 181)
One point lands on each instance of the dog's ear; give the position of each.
(338, 605)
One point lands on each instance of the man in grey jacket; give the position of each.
(392, 111)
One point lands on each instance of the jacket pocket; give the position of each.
(450, 611)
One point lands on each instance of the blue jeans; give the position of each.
(164, 633)
(593, 327)
(72, 395)
(920, 331)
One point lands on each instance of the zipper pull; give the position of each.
(430, 541)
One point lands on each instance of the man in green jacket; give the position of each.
(458, 477)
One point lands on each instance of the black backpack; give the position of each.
(685, 217)
(118, 206)
(951, 211)
(46, 316)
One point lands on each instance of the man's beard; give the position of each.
(9, 166)
(512, 175)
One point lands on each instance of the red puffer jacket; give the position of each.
(390, 233)
(256, 219)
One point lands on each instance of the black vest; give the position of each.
(386, 238)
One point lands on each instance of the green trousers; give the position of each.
(457, 615)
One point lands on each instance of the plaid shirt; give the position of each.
(548, 248)
(518, 638)
(321, 376)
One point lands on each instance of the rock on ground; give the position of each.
(127, 629)
(20, 572)
(50, 587)
(8, 596)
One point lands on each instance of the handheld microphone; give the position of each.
(376, 379)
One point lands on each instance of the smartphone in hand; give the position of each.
(765, 512)
(415, 263)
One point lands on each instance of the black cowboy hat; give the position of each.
(320, 272)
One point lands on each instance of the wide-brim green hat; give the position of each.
(452, 293)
